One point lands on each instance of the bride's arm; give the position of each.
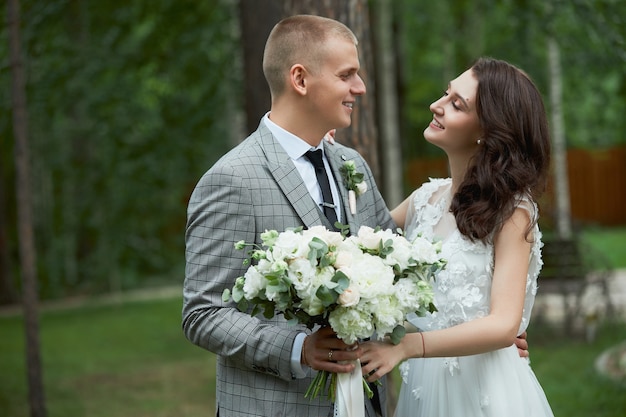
(494, 331)
(399, 213)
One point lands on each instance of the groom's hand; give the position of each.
(522, 345)
(323, 351)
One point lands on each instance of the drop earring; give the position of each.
(478, 142)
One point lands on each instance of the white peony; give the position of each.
(351, 324)
(387, 315)
(372, 277)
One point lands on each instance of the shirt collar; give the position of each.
(293, 145)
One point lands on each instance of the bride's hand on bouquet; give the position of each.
(379, 358)
(322, 350)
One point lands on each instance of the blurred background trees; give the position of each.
(130, 102)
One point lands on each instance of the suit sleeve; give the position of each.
(220, 213)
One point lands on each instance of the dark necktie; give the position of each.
(328, 204)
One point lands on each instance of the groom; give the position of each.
(268, 182)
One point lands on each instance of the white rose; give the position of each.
(343, 259)
(330, 237)
(368, 238)
(349, 297)
(402, 253)
(361, 188)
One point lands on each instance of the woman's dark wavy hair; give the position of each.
(514, 153)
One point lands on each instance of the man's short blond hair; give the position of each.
(299, 39)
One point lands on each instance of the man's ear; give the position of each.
(297, 78)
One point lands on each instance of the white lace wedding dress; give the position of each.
(495, 384)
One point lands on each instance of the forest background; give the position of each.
(130, 102)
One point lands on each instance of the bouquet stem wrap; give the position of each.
(350, 399)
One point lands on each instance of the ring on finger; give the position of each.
(330, 355)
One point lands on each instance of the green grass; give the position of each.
(121, 360)
(566, 370)
(132, 360)
(609, 241)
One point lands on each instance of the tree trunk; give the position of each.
(387, 99)
(256, 24)
(559, 151)
(8, 293)
(362, 134)
(25, 218)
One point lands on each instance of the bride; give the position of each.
(492, 125)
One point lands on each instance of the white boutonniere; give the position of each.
(353, 181)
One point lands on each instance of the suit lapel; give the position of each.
(289, 180)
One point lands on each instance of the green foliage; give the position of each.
(439, 42)
(129, 103)
(397, 334)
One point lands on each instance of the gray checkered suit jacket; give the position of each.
(253, 188)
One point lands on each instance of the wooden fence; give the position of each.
(597, 183)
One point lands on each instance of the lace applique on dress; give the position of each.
(463, 288)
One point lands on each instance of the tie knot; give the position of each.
(315, 157)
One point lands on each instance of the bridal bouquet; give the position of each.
(362, 285)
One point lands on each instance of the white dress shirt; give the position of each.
(296, 148)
